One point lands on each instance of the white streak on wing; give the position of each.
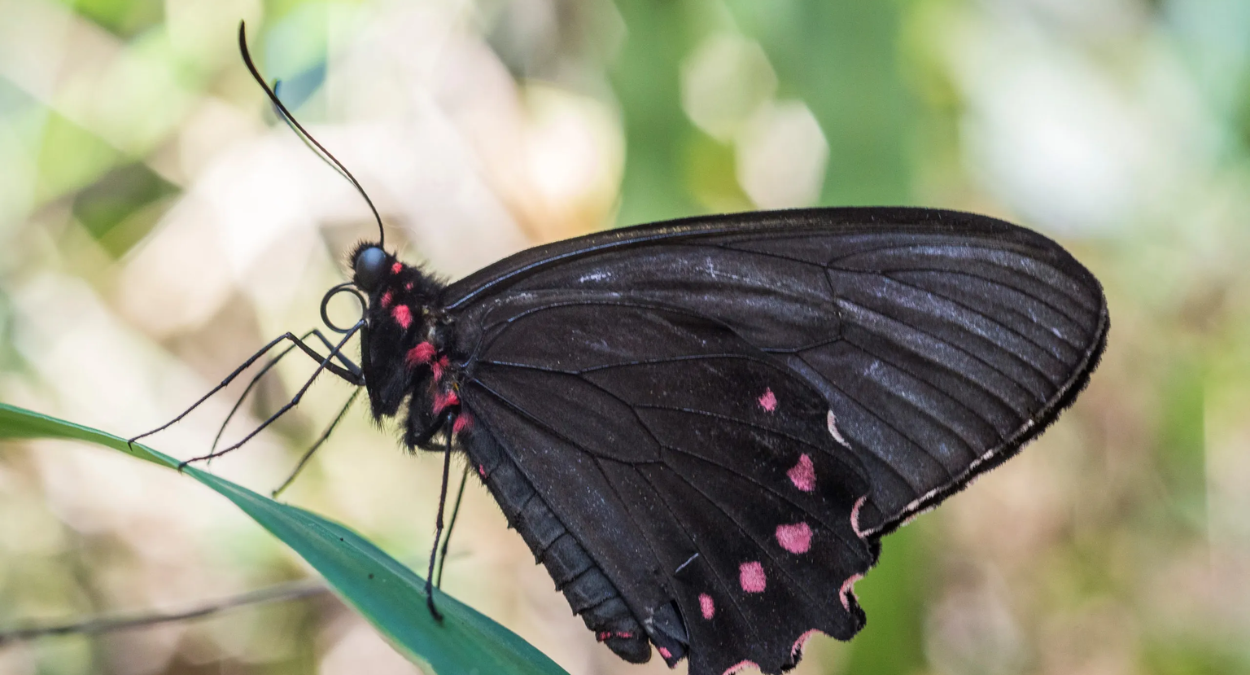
(683, 565)
(832, 422)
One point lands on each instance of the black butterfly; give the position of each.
(704, 427)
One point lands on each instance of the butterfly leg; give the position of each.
(438, 533)
(324, 363)
(419, 436)
(451, 527)
(347, 364)
(324, 435)
(353, 375)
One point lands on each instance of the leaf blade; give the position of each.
(385, 592)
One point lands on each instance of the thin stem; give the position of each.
(295, 590)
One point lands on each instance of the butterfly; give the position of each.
(703, 428)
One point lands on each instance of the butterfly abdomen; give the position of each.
(588, 590)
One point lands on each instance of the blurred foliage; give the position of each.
(157, 224)
(124, 18)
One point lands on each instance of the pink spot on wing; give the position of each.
(481, 468)
(795, 538)
(741, 665)
(707, 606)
(803, 474)
(665, 653)
(408, 286)
(397, 268)
(751, 576)
(604, 635)
(443, 401)
(402, 315)
(855, 516)
(797, 650)
(848, 590)
(463, 423)
(423, 353)
(386, 299)
(768, 401)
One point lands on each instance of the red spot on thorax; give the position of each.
(768, 401)
(462, 424)
(408, 286)
(397, 268)
(386, 299)
(443, 401)
(438, 367)
(423, 353)
(803, 474)
(402, 316)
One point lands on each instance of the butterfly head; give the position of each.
(369, 267)
(386, 280)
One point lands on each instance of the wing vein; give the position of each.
(990, 319)
(886, 391)
(987, 260)
(767, 488)
(885, 360)
(941, 342)
(763, 546)
(1041, 301)
(726, 587)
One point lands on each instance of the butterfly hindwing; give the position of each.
(696, 470)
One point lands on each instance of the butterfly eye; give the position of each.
(370, 265)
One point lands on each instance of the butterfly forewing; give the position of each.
(940, 341)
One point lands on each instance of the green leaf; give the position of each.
(387, 594)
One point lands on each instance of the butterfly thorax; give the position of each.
(405, 344)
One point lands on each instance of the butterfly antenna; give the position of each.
(290, 119)
(287, 120)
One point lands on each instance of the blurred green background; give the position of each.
(157, 225)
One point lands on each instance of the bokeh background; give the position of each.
(157, 225)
